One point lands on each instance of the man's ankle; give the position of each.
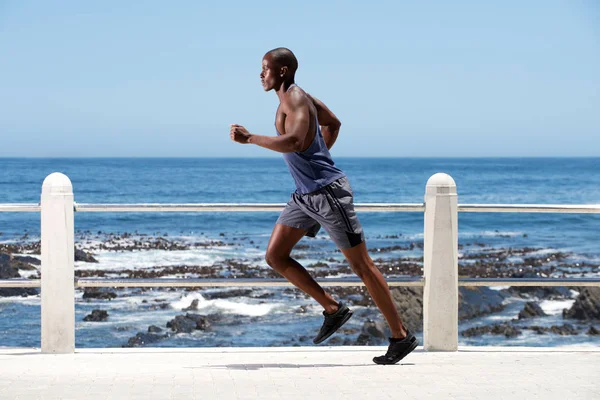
(332, 309)
(400, 334)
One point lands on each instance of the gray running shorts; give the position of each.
(331, 207)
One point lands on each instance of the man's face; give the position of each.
(269, 76)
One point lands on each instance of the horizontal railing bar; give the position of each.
(227, 282)
(273, 207)
(23, 207)
(533, 208)
(529, 282)
(20, 283)
(238, 207)
(257, 282)
(408, 281)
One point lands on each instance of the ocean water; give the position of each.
(269, 322)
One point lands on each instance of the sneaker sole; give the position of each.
(342, 322)
(407, 352)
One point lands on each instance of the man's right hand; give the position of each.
(239, 134)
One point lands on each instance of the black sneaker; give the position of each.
(398, 349)
(333, 322)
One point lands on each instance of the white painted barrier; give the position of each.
(440, 259)
(57, 249)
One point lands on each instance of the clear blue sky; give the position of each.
(407, 78)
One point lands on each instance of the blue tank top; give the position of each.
(313, 168)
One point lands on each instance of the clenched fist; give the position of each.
(239, 134)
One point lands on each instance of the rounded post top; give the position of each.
(441, 183)
(57, 183)
(441, 179)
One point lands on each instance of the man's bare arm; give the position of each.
(330, 125)
(297, 123)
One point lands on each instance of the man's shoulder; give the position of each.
(297, 97)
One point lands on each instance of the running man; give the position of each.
(306, 130)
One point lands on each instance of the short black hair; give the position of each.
(284, 57)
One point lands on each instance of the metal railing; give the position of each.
(273, 207)
(270, 282)
(440, 280)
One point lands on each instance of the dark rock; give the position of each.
(586, 306)
(365, 340)
(192, 306)
(81, 255)
(160, 306)
(188, 323)
(28, 260)
(202, 322)
(5, 258)
(593, 331)
(228, 293)
(564, 330)
(376, 329)
(318, 264)
(22, 292)
(372, 333)
(142, 339)
(229, 319)
(409, 303)
(97, 316)
(496, 329)
(473, 302)
(124, 328)
(154, 329)
(531, 310)
(182, 324)
(477, 301)
(9, 269)
(97, 293)
(335, 341)
(540, 330)
(301, 310)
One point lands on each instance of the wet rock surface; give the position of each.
(144, 339)
(586, 306)
(9, 269)
(83, 256)
(505, 329)
(188, 323)
(593, 331)
(563, 330)
(373, 333)
(477, 301)
(96, 316)
(531, 310)
(99, 293)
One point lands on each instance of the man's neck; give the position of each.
(285, 86)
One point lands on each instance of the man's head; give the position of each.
(278, 66)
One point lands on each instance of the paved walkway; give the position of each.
(300, 373)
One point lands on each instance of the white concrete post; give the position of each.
(440, 259)
(57, 248)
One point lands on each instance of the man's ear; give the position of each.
(283, 71)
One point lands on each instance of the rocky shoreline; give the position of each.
(476, 260)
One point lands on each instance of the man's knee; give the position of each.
(363, 267)
(274, 258)
(269, 259)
